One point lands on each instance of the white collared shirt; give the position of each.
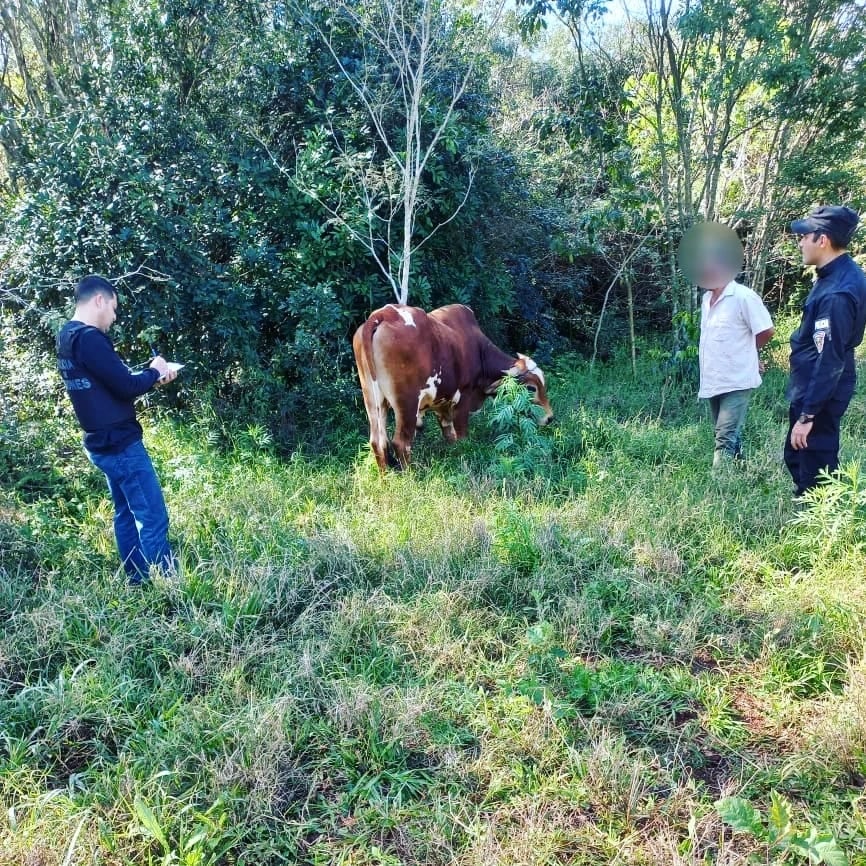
(728, 356)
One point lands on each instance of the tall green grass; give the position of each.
(567, 663)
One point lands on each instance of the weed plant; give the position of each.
(611, 654)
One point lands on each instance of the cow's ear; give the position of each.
(490, 390)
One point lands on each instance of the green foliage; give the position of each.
(514, 542)
(199, 153)
(203, 836)
(433, 667)
(833, 518)
(178, 172)
(520, 443)
(534, 18)
(777, 830)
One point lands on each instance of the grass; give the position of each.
(485, 660)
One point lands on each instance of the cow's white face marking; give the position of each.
(530, 366)
(405, 315)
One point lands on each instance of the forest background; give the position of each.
(245, 171)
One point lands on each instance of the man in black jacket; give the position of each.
(823, 373)
(103, 390)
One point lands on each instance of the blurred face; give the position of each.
(711, 255)
(713, 272)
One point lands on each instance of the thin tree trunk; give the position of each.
(13, 33)
(626, 278)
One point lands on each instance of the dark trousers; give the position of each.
(822, 452)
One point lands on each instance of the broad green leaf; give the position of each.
(196, 839)
(740, 815)
(539, 634)
(829, 851)
(149, 822)
(802, 846)
(778, 819)
(819, 848)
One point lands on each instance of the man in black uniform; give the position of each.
(823, 373)
(103, 389)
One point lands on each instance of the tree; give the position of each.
(146, 171)
(736, 111)
(410, 76)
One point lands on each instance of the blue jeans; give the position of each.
(729, 415)
(140, 515)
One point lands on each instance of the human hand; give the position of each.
(800, 434)
(166, 374)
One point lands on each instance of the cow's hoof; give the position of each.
(393, 462)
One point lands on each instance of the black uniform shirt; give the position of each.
(822, 348)
(102, 388)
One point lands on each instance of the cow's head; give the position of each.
(526, 371)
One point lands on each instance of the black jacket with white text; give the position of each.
(102, 388)
(822, 348)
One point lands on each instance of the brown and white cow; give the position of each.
(413, 361)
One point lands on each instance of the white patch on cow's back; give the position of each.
(405, 315)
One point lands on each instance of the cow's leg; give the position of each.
(405, 417)
(377, 414)
(380, 444)
(374, 400)
(445, 416)
(460, 418)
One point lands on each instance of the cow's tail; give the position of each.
(368, 330)
(367, 369)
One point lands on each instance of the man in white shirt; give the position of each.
(735, 326)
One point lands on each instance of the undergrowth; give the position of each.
(609, 655)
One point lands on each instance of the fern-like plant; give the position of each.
(519, 442)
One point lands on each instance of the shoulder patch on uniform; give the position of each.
(818, 338)
(821, 324)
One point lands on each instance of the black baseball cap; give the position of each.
(836, 221)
